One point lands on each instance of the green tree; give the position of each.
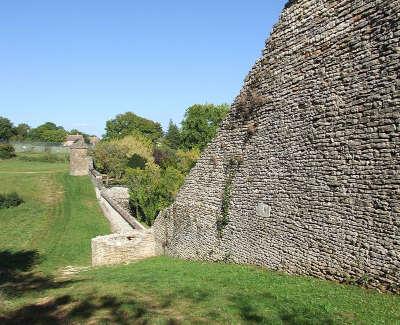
(187, 159)
(6, 129)
(21, 132)
(164, 156)
(201, 123)
(173, 136)
(130, 123)
(48, 132)
(152, 190)
(110, 159)
(7, 151)
(113, 157)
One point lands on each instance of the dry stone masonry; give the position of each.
(130, 240)
(123, 247)
(79, 161)
(303, 175)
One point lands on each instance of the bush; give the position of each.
(152, 190)
(165, 157)
(187, 159)
(115, 156)
(10, 200)
(7, 151)
(137, 161)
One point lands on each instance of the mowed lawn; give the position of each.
(50, 233)
(59, 217)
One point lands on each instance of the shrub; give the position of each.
(10, 200)
(137, 161)
(152, 190)
(113, 157)
(7, 151)
(109, 159)
(165, 157)
(136, 144)
(187, 159)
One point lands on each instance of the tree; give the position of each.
(48, 132)
(7, 151)
(201, 123)
(21, 132)
(173, 136)
(152, 189)
(110, 159)
(137, 144)
(6, 129)
(164, 156)
(187, 159)
(129, 123)
(113, 157)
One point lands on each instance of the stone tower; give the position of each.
(79, 160)
(304, 174)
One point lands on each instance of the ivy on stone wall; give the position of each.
(231, 170)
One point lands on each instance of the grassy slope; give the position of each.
(15, 166)
(233, 293)
(158, 290)
(59, 217)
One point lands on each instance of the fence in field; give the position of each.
(37, 147)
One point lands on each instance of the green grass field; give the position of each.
(52, 231)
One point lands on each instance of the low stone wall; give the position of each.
(117, 222)
(130, 240)
(122, 247)
(114, 202)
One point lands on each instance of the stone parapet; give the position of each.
(123, 247)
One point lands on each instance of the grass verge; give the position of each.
(53, 228)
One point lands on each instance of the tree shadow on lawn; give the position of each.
(98, 309)
(252, 310)
(18, 261)
(89, 309)
(16, 277)
(194, 295)
(17, 280)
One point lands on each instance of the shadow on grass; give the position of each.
(89, 309)
(104, 309)
(259, 307)
(252, 309)
(194, 295)
(18, 261)
(16, 277)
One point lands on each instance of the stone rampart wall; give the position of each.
(304, 174)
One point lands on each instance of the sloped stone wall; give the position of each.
(303, 175)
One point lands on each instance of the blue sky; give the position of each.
(80, 62)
